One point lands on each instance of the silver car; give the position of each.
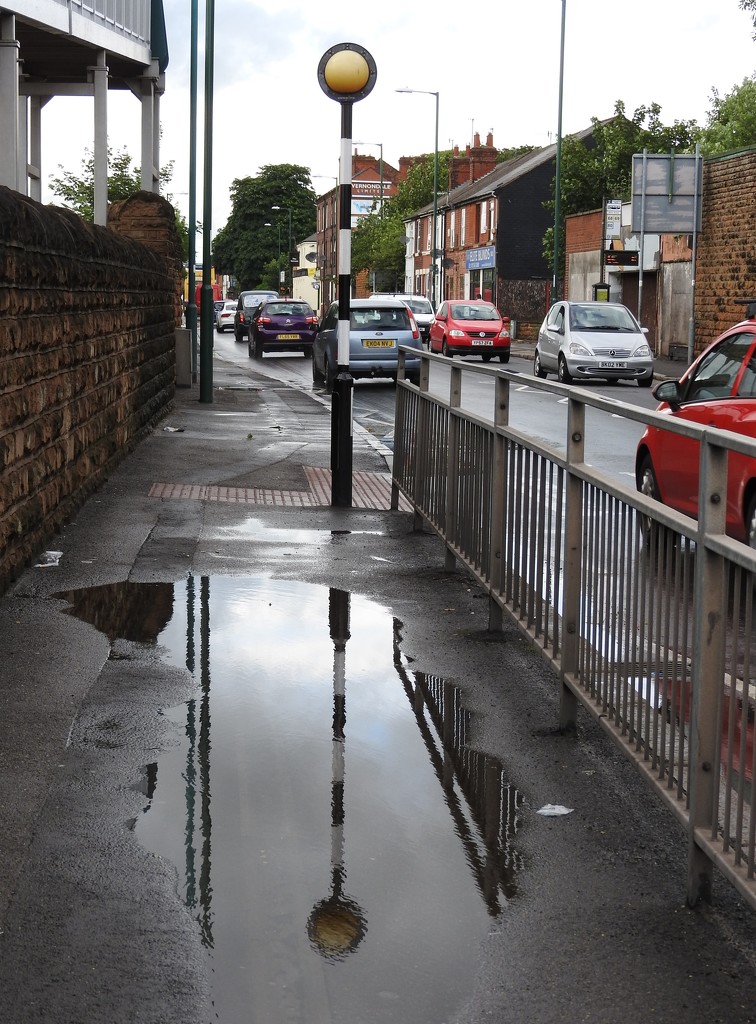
(376, 330)
(589, 340)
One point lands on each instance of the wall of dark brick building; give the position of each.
(87, 356)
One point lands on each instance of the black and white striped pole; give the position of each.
(346, 73)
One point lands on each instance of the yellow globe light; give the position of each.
(347, 72)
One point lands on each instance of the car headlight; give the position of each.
(456, 333)
(576, 349)
(642, 352)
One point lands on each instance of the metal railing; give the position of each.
(129, 18)
(646, 615)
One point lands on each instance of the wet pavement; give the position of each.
(265, 762)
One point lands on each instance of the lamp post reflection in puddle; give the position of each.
(337, 924)
(198, 752)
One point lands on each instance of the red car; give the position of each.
(470, 327)
(718, 390)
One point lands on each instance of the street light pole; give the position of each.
(346, 73)
(434, 251)
(288, 252)
(558, 175)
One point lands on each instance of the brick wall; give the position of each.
(726, 256)
(87, 356)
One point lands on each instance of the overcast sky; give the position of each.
(495, 67)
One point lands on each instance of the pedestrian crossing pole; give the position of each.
(346, 73)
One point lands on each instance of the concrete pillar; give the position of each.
(22, 174)
(9, 54)
(35, 146)
(99, 76)
(150, 92)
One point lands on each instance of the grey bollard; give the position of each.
(183, 357)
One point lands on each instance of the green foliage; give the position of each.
(512, 152)
(731, 121)
(750, 5)
(124, 180)
(378, 241)
(244, 247)
(601, 168)
(77, 193)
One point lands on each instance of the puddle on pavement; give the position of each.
(341, 848)
(253, 529)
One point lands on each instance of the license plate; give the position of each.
(612, 365)
(288, 337)
(484, 341)
(378, 343)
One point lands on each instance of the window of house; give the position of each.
(453, 229)
(463, 223)
(483, 218)
(428, 223)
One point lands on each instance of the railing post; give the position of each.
(420, 488)
(709, 624)
(400, 413)
(498, 486)
(452, 467)
(573, 529)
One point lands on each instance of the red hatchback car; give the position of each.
(470, 327)
(718, 390)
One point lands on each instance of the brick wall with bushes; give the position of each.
(87, 356)
(726, 256)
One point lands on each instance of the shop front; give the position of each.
(480, 265)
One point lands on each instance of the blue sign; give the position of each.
(480, 259)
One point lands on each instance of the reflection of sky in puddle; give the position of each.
(341, 848)
(255, 530)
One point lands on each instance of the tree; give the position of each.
(244, 247)
(750, 5)
(600, 167)
(731, 121)
(77, 193)
(378, 240)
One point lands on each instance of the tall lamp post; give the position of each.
(434, 251)
(558, 175)
(346, 73)
(288, 251)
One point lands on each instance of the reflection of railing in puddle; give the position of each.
(488, 826)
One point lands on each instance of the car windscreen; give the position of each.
(376, 318)
(287, 309)
(420, 306)
(602, 318)
(255, 298)
(464, 311)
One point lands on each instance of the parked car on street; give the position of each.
(590, 340)
(247, 303)
(377, 328)
(718, 390)
(224, 320)
(283, 325)
(420, 306)
(470, 327)
(217, 307)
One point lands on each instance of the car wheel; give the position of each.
(563, 374)
(504, 357)
(251, 350)
(445, 350)
(307, 353)
(646, 382)
(646, 478)
(317, 376)
(330, 376)
(257, 349)
(538, 370)
(750, 522)
(486, 357)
